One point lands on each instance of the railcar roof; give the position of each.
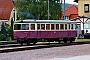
(44, 21)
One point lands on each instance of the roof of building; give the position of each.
(73, 16)
(72, 10)
(6, 7)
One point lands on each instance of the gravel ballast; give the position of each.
(54, 53)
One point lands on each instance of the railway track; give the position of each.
(13, 48)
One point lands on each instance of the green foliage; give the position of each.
(10, 29)
(39, 9)
(12, 23)
(3, 30)
(2, 37)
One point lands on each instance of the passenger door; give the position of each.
(78, 29)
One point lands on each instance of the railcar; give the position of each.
(33, 31)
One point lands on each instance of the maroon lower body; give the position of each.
(35, 36)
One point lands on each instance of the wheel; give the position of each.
(65, 41)
(34, 43)
(28, 43)
(59, 42)
(71, 41)
(21, 43)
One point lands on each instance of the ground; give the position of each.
(74, 52)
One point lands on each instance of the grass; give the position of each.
(45, 42)
(9, 41)
(77, 40)
(82, 40)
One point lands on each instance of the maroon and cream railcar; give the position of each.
(33, 31)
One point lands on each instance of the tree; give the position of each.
(2, 37)
(10, 29)
(39, 8)
(3, 30)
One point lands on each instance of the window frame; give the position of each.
(17, 24)
(49, 26)
(66, 26)
(62, 25)
(53, 26)
(25, 26)
(56, 26)
(31, 27)
(86, 7)
(67, 17)
(41, 26)
(72, 26)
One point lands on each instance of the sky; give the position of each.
(70, 2)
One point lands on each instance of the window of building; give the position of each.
(86, 7)
(32, 26)
(67, 17)
(43, 26)
(47, 26)
(87, 26)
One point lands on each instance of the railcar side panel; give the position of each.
(45, 34)
(21, 34)
(72, 33)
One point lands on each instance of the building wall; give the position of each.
(85, 22)
(12, 16)
(81, 7)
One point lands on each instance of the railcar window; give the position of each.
(32, 26)
(47, 26)
(17, 27)
(76, 26)
(71, 26)
(61, 26)
(43, 26)
(65, 26)
(25, 26)
(52, 26)
(38, 26)
(57, 26)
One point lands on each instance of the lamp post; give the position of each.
(64, 11)
(48, 9)
(14, 14)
